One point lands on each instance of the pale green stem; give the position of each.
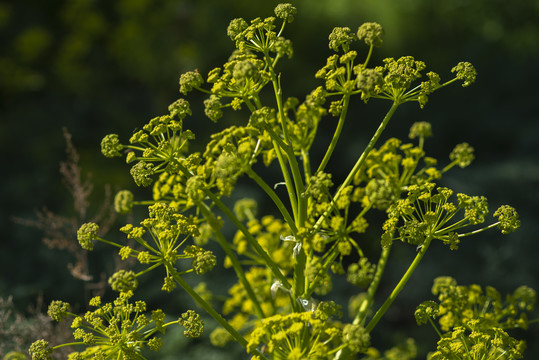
(282, 208)
(250, 239)
(301, 213)
(299, 274)
(333, 253)
(435, 328)
(292, 161)
(210, 310)
(368, 57)
(336, 135)
(287, 179)
(479, 230)
(278, 146)
(306, 166)
(399, 286)
(367, 303)
(67, 344)
(233, 259)
(109, 242)
(358, 165)
(449, 166)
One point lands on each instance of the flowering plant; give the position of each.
(284, 264)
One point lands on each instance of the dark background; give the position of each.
(99, 67)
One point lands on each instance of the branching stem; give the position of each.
(398, 288)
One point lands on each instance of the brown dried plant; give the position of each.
(60, 232)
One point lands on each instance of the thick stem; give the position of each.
(367, 303)
(210, 310)
(287, 179)
(276, 200)
(292, 187)
(336, 135)
(399, 286)
(358, 165)
(301, 213)
(250, 239)
(233, 259)
(299, 274)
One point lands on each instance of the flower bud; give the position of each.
(371, 33)
(123, 202)
(110, 146)
(86, 234)
(123, 281)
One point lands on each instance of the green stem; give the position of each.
(301, 213)
(368, 57)
(287, 179)
(306, 166)
(292, 161)
(336, 135)
(449, 166)
(479, 230)
(233, 259)
(399, 286)
(278, 146)
(210, 310)
(276, 200)
(367, 303)
(109, 242)
(68, 344)
(250, 239)
(333, 253)
(435, 328)
(299, 274)
(278, 96)
(358, 165)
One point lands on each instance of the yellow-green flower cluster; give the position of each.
(117, 330)
(86, 234)
(475, 320)
(161, 143)
(194, 325)
(168, 231)
(123, 202)
(280, 264)
(391, 168)
(269, 232)
(474, 341)
(304, 336)
(459, 304)
(429, 215)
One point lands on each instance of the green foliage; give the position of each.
(281, 261)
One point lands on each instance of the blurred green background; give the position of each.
(97, 67)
